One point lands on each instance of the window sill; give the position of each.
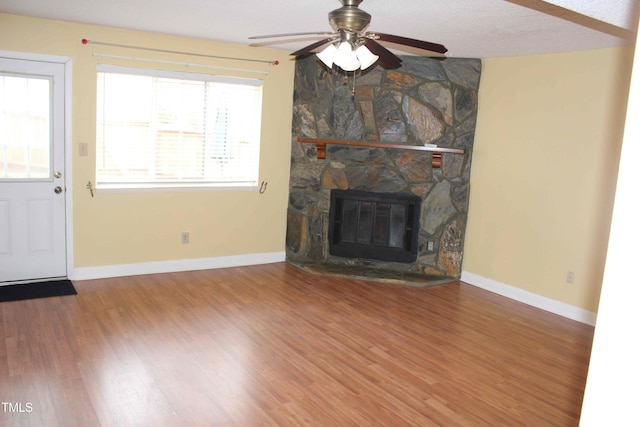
(172, 188)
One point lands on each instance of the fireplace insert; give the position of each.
(382, 226)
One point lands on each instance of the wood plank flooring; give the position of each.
(272, 345)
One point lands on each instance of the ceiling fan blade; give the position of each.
(312, 46)
(284, 41)
(386, 56)
(420, 44)
(270, 36)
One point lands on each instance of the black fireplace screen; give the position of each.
(382, 226)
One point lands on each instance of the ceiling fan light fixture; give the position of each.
(365, 57)
(327, 55)
(350, 48)
(346, 58)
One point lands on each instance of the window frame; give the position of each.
(131, 187)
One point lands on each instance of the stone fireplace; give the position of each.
(425, 101)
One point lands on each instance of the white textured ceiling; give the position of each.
(468, 28)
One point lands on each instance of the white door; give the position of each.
(32, 173)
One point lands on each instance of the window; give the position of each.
(166, 129)
(25, 125)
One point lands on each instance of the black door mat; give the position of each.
(53, 288)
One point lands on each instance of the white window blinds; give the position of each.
(162, 129)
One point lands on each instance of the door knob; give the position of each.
(57, 190)
(58, 174)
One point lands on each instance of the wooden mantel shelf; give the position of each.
(437, 151)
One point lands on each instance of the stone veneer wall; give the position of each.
(424, 101)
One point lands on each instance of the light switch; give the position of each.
(84, 149)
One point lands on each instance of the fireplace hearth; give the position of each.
(382, 226)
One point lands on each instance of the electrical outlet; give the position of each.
(429, 246)
(570, 277)
(83, 149)
(185, 237)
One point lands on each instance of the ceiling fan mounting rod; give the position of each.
(347, 36)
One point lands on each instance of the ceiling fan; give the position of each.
(349, 46)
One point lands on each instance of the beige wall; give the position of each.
(543, 176)
(113, 229)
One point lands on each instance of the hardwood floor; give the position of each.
(272, 345)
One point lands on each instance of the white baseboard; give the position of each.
(535, 300)
(101, 272)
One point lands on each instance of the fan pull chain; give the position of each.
(353, 90)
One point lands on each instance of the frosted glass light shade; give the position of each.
(365, 57)
(327, 55)
(346, 58)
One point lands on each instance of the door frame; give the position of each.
(68, 142)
